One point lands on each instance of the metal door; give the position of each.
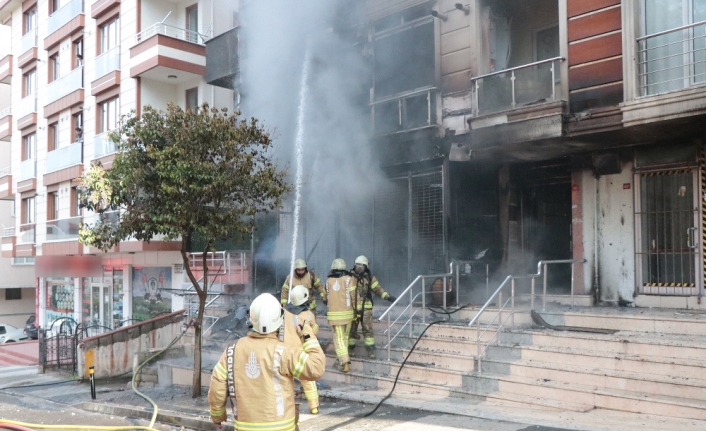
(667, 243)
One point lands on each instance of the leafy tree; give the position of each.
(178, 174)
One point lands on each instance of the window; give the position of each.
(110, 35)
(77, 130)
(30, 20)
(22, 261)
(192, 23)
(52, 206)
(30, 83)
(29, 210)
(77, 54)
(75, 210)
(29, 147)
(192, 99)
(677, 58)
(13, 293)
(110, 114)
(54, 68)
(53, 137)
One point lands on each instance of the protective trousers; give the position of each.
(311, 393)
(340, 342)
(367, 328)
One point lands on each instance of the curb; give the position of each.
(163, 416)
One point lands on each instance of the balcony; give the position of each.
(27, 234)
(65, 85)
(405, 112)
(6, 184)
(65, 157)
(28, 170)
(63, 229)
(107, 71)
(27, 43)
(103, 145)
(222, 59)
(6, 69)
(6, 124)
(64, 16)
(27, 111)
(162, 51)
(8, 241)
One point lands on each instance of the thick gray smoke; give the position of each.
(340, 174)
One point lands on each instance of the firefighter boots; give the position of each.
(371, 351)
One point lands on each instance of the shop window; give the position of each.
(13, 294)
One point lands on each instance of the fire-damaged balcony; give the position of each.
(166, 53)
(6, 69)
(6, 124)
(405, 112)
(222, 59)
(6, 184)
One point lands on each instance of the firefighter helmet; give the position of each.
(300, 264)
(299, 295)
(266, 314)
(338, 264)
(361, 260)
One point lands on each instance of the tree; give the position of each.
(178, 174)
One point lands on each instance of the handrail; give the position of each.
(541, 270)
(512, 69)
(5, 112)
(405, 94)
(663, 32)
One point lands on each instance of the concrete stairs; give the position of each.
(654, 365)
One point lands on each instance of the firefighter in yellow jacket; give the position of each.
(297, 313)
(257, 372)
(340, 287)
(366, 285)
(306, 278)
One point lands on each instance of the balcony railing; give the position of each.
(28, 169)
(63, 15)
(171, 31)
(65, 157)
(27, 234)
(403, 112)
(103, 145)
(109, 217)
(29, 40)
(525, 85)
(5, 172)
(108, 62)
(28, 105)
(63, 229)
(5, 112)
(7, 231)
(65, 85)
(673, 59)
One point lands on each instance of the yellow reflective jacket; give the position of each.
(340, 299)
(263, 370)
(363, 289)
(310, 281)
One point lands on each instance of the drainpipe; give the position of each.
(596, 280)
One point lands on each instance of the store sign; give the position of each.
(68, 266)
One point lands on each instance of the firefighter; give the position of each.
(306, 278)
(257, 372)
(366, 285)
(340, 288)
(297, 312)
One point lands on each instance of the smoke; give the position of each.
(340, 174)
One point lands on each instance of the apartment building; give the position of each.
(537, 129)
(72, 68)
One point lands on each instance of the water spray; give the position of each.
(298, 153)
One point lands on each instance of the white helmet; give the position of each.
(299, 295)
(300, 264)
(361, 260)
(266, 314)
(339, 264)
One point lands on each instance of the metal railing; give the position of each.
(28, 169)
(673, 59)
(410, 308)
(510, 301)
(518, 86)
(8, 231)
(5, 171)
(403, 112)
(29, 40)
(108, 62)
(28, 105)
(63, 229)
(27, 233)
(65, 157)
(63, 15)
(65, 85)
(171, 31)
(5, 112)
(103, 145)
